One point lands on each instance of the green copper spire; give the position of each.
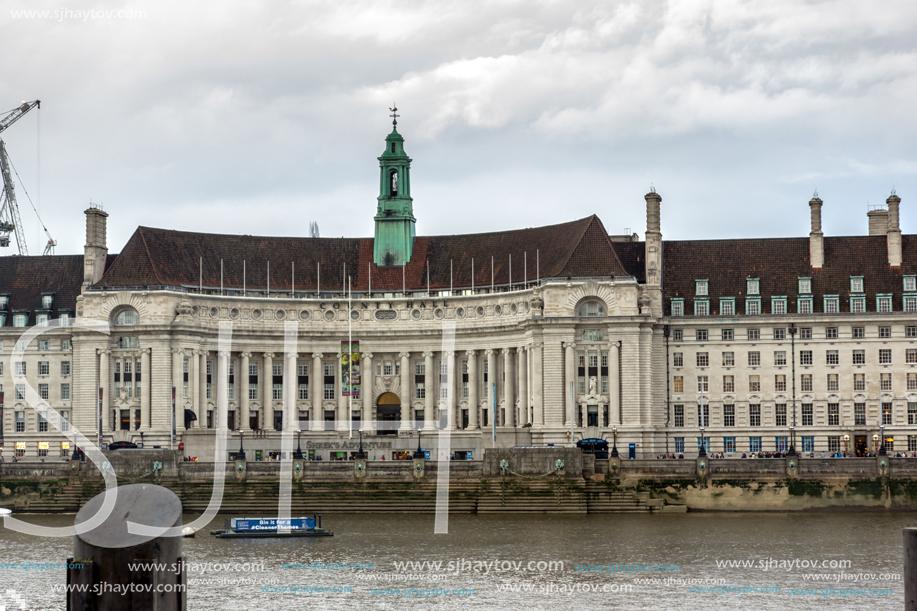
(394, 218)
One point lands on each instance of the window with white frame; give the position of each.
(703, 384)
(678, 307)
(678, 334)
(41, 319)
(780, 333)
(754, 358)
(700, 288)
(910, 356)
(856, 284)
(910, 303)
(778, 305)
(729, 384)
(912, 413)
(754, 335)
(780, 414)
(754, 444)
(834, 414)
(833, 382)
(857, 305)
(592, 335)
(859, 357)
(808, 417)
(700, 335)
(885, 356)
(680, 415)
(729, 359)
(752, 286)
(805, 333)
(43, 391)
(805, 286)
(830, 332)
(678, 359)
(780, 357)
(912, 381)
(831, 357)
(883, 303)
(701, 307)
(885, 381)
(703, 359)
(754, 383)
(65, 392)
(20, 320)
(910, 283)
(832, 304)
(727, 335)
(780, 382)
(20, 422)
(703, 416)
(727, 307)
(20, 368)
(754, 415)
(805, 382)
(805, 357)
(44, 368)
(886, 413)
(328, 380)
(592, 308)
(20, 392)
(44, 345)
(729, 444)
(885, 332)
(859, 381)
(804, 305)
(752, 307)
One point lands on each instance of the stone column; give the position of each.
(317, 390)
(537, 385)
(194, 382)
(222, 411)
(509, 394)
(242, 385)
(491, 390)
(178, 357)
(405, 391)
(429, 392)
(145, 389)
(569, 377)
(614, 384)
(290, 413)
(104, 361)
(473, 407)
(522, 413)
(366, 394)
(202, 388)
(449, 402)
(267, 404)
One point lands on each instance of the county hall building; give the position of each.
(503, 338)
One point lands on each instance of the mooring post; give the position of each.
(118, 565)
(910, 569)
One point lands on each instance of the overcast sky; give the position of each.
(259, 117)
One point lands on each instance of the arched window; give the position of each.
(127, 317)
(394, 177)
(592, 308)
(592, 335)
(393, 147)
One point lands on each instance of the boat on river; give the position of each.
(262, 528)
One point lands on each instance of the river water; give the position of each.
(502, 562)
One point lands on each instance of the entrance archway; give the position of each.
(388, 413)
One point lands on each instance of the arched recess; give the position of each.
(591, 291)
(388, 413)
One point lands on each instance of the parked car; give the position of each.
(122, 445)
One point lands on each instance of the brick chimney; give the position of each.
(894, 231)
(816, 237)
(95, 252)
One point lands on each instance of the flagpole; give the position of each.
(350, 352)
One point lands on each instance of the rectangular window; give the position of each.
(859, 357)
(253, 390)
(780, 414)
(805, 286)
(805, 357)
(830, 332)
(885, 332)
(729, 444)
(677, 359)
(678, 307)
(677, 335)
(754, 444)
(277, 393)
(20, 392)
(703, 415)
(884, 303)
(729, 384)
(885, 381)
(834, 414)
(303, 391)
(276, 368)
(43, 391)
(754, 358)
(779, 357)
(912, 413)
(832, 304)
(754, 335)
(754, 415)
(700, 288)
(302, 369)
(703, 359)
(859, 414)
(912, 381)
(885, 356)
(729, 359)
(44, 345)
(859, 381)
(780, 333)
(727, 335)
(780, 383)
(700, 335)
(886, 413)
(808, 443)
(727, 307)
(856, 284)
(706, 444)
(729, 415)
(857, 305)
(20, 368)
(387, 368)
(680, 415)
(752, 286)
(678, 385)
(702, 385)
(43, 368)
(831, 357)
(912, 443)
(858, 332)
(804, 305)
(808, 416)
(754, 383)
(910, 283)
(910, 303)
(806, 382)
(701, 307)
(65, 392)
(20, 422)
(680, 445)
(778, 305)
(419, 390)
(42, 424)
(805, 333)
(752, 307)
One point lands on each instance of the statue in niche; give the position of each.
(592, 385)
(394, 183)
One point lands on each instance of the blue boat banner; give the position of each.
(256, 524)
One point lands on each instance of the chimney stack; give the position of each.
(894, 231)
(878, 221)
(653, 239)
(816, 237)
(95, 252)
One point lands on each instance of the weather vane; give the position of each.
(394, 114)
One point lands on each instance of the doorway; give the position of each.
(388, 411)
(860, 445)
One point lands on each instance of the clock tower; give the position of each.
(394, 237)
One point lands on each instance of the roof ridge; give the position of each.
(611, 245)
(579, 240)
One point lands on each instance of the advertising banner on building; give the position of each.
(350, 368)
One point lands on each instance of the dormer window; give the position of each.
(805, 286)
(47, 301)
(4, 301)
(910, 284)
(678, 307)
(856, 284)
(41, 319)
(700, 288)
(127, 317)
(752, 286)
(20, 319)
(778, 305)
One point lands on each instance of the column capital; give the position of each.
(570, 345)
(521, 350)
(367, 355)
(448, 354)
(404, 355)
(507, 351)
(317, 355)
(268, 355)
(489, 352)
(537, 345)
(224, 354)
(428, 355)
(103, 351)
(246, 355)
(201, 352)
(471, 353)
(145, 351)
(176, 351)
(291, 355)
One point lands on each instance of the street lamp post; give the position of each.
(702, 453)
(846, 441)
(793, 330)
(298, 452)
(360, 453)
(241, 452)
(875, 442)
(614, 446)
(418, 453)
(882, 451)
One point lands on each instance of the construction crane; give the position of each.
(9, 211)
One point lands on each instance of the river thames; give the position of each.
(761, 561)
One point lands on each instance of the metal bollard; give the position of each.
(106, 553)
(910, 569)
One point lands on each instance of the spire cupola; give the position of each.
(394, 237)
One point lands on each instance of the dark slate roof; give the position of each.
(633, 257)
(173, 258)
(778, 263)
(26, 278)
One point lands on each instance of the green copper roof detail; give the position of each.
(395, 231)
